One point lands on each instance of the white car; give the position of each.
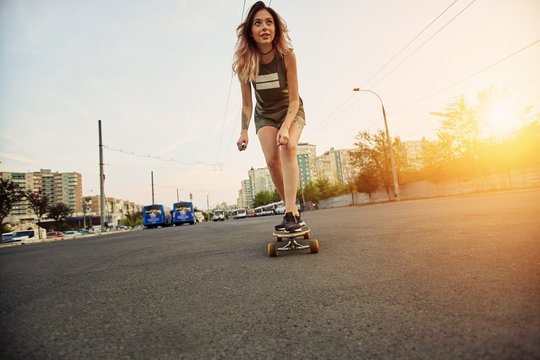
(22, 235)
(71, 233)
(219, 215)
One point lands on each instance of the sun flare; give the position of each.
(501, 118)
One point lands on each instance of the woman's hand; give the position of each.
(282, 137)
(242, 142)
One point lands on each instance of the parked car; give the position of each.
(85, 232)
(6, 237)
(54, 234)
(71, 233)
(22, 235)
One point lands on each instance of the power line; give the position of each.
(468, 77)
(407, 45)
(155, 157)
(424, 43)
(360, 96)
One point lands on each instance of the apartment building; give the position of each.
(57, 187)
(92, 206)
(307, 165)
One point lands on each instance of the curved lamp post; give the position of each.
(388, 141)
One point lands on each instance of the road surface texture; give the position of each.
(449, 278)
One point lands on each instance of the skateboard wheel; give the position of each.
(306, 235)
(314, 246)
(272, 249)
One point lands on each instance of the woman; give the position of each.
(265, 60)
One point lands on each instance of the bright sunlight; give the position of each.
(500, 119)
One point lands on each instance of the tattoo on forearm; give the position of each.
(245, 122)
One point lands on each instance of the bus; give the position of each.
(156, 215)
(269, 209)
(183, 213)
(259, 211)
(219, 215)
(239, 214)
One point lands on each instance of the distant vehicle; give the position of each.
(280, 207)
(6, 237)
(54, 234)
(85, 232)
(239, 214)
(22, 235)
(259, 211)
(71, 233)
(219, 215)
(270, 209)
(156, 215)
(199, 216)
(251, 213)
(183, 213)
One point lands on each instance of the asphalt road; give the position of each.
(451, 278)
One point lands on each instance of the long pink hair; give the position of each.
(246, 55)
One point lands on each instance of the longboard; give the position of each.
(292, 244)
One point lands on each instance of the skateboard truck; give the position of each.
(292, 244)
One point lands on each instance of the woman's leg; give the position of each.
(290, 168)
(267, 138)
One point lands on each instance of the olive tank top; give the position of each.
(272, 94)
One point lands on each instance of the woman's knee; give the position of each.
(273, 162)
(289, 151)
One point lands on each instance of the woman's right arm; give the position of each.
(247, 108)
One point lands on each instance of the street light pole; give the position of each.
(388, 142)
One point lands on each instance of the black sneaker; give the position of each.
(300, 221)
(291, 224)
(281, 227)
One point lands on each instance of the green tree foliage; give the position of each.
(461, 152)
(59, 211)
(262, 198)
(373, 157)
(9, 195)
(38, 202)
(367, 182)
(133, 219)
(275, 196)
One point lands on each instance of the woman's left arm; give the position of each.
(294, 98)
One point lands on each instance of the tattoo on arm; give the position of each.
(245, 122)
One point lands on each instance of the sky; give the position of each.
(158, 75)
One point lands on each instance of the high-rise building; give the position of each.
(306, 155)
(57, 187)
(245, 195)
(260, 180)
(336, 165)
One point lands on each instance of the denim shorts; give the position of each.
(300, 121)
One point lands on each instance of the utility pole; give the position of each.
(152, 173)
(388, 143)
(101, 181)
(177, 197)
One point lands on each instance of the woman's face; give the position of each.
(263, 29)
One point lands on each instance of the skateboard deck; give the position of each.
(292, 244)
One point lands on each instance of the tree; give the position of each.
(10, 193)
(366, 182)
(133, 219)
(262, 198)
(373, 156)
(38, 202)
(59, 211)
(275, 196)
